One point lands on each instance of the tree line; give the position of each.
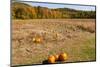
(25, 11)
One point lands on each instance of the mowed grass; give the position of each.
(76, 37)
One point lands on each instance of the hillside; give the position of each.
(25, 11)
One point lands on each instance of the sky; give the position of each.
(52, 5)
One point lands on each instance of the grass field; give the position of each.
(76, 37)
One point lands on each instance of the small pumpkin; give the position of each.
(37, 40)
(51, 59)
(34, 39)
(63, 57)
(56, 57)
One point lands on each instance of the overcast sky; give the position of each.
(52, 5)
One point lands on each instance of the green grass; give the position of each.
(88, 52)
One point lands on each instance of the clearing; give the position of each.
(76, 37)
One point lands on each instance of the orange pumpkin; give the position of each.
(56, 57)
(63, 57)
(51, 59)
(37, 40)
(34, 39)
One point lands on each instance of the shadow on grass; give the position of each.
(45, 62)
(57, 62)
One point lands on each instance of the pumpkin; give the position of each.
(63, 57)
(37, 40)
(56, 57)
(34, 39)
(51, 59)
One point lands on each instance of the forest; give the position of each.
(26, 11)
